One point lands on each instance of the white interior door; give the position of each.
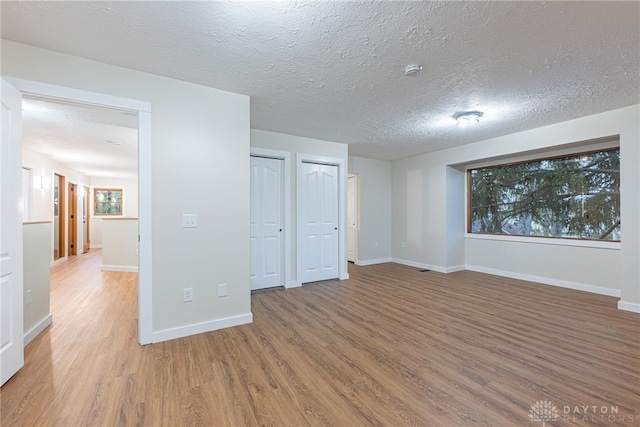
(352, 217)
(11, 310)
(266, 222)
(320, 243)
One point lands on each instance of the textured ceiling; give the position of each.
(334, 70)
(82, 137)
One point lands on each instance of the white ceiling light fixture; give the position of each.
(468, 118)
(113, 142)
(412, 70)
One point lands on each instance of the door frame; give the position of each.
(62, 215)
(341, 164)
(143, 110)
(72, 218)
(287, 226)
(86, 203)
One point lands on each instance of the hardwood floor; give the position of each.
(391, 346)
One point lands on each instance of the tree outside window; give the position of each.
(107, 201)
(576, 196)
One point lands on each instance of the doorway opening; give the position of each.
(141, 111)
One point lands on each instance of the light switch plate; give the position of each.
(189, 221)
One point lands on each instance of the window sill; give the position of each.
(546, 241)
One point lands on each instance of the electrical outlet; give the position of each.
(377, 244)
(189, 221)
(222, 290)
(187, 294)
(402, 244)
(28, 298)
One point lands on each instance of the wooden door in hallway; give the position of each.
(73, 219)
(59, 210)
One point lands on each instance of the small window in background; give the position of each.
(576, 197)
(107, 201)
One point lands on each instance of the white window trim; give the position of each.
(560, 241)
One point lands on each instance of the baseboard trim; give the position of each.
(364, 263)
(420, 265)
(344, 276)
(629, 306)
(37, 329)
(547, 281)
(95, 246)
(58, 261)
(293, 284)
(200, 328)
(119, 268)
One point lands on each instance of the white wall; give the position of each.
(130, 204)
(294, 145)
(433, 229)
(374, 209)
(120, 244)
(37, 275)
(42, 195)
(200, 164)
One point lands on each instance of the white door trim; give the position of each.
(356, 213)
(285, 156)
(145, 286)
(341, 163)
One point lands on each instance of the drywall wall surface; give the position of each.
(199, 162)
(43, 169)
(37, 274)
(592, 269)
(428, 188)
(374, 179)
(297, 144)
(120, 244)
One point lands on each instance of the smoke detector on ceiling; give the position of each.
(114, 142)
(468, 118)
(412, 70)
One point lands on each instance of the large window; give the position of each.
(576, 196)
(107, 201)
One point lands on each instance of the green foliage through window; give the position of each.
(107, 201)
(576, 196)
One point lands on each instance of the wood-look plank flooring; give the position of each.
(391, 346)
